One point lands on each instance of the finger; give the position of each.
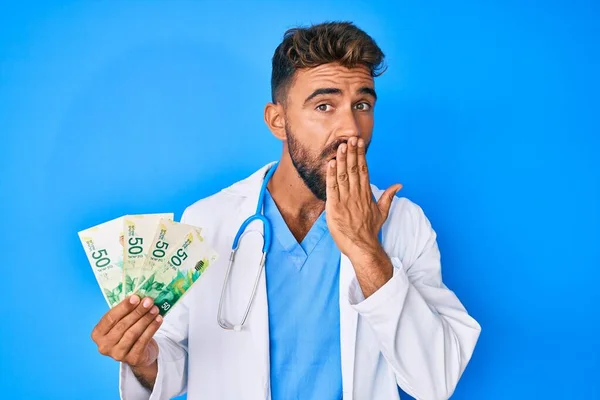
(363, 170)
(352, 167)
(117, 313)
(342, 173)
(333, 194)
(131, 336)
(385, 201)
(139, 347)
(117, 332)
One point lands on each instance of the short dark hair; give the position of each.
(329, 42)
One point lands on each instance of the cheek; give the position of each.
(315, 134)
(365, 123)
(319, 126)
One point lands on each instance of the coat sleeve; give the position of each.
(172, 340)
(424, 332)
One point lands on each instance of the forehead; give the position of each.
(306, 80)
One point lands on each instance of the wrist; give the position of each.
(145, 367)
(369, 254)
(146, 375)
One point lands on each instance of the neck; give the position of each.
(291, 194)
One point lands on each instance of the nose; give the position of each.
(348, 125)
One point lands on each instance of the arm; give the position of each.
(424, 332)
(167, 377)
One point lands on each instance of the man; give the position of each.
(337, 312)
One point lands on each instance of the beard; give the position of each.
(312, 169)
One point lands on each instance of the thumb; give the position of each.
(385, 201)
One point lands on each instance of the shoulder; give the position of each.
(403, 211)
(407, 228)
(210, 208)
(215, 215)
(225, 203)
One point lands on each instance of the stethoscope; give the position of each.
(234, 247)
(265, 249)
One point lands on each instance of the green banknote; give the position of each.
(139, 231)
(103, 245)
(167, 235)
(186, 262)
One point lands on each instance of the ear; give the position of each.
(275, 120)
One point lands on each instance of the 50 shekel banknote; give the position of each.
(167, 235)
(139, 231)
(104, 249)
(187, 259)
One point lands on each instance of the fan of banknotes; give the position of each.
(148, 255)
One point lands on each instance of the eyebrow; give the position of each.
(368, 90)
(321, 91)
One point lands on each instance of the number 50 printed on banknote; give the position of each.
(184, 264)
(103, 245)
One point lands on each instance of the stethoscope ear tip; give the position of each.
(237, 328)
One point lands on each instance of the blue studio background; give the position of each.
(488, 114)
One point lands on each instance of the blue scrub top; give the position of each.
(304, 313)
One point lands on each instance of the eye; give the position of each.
(364, 106)
(324, 107)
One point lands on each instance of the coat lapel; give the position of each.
(348, 326)
(258, 319)
(246, 266)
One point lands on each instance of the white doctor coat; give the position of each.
(412, 332)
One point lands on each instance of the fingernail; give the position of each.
(353, 141)
(332, 164)
(361, 143)
(159, 319)
(147, 302)
(154, 310)
(343, 148)
(134, 299)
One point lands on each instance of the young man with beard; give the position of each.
(350, 303)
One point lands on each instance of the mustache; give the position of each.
(331, 149)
